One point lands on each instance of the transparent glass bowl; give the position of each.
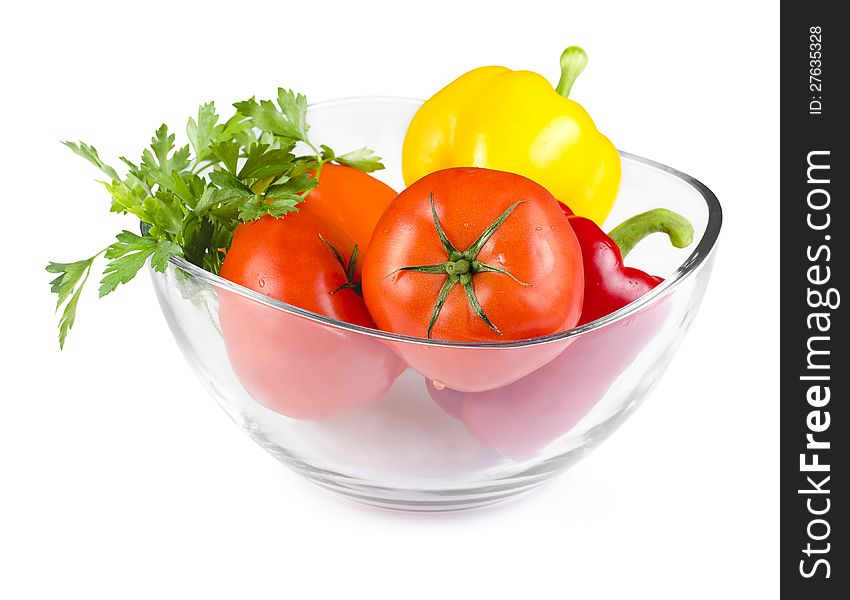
(417, 424)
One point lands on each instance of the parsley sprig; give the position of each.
(189, 199)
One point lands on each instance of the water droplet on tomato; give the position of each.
(439, 385)
(538, 229)
(261, 282)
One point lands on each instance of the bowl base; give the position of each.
(424, 501)
(464, 496)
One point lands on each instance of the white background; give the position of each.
(119, 478)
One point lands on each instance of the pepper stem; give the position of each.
(659, 220)
(573, 62)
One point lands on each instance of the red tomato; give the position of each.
(289, 363)
(527, 276)
(286, 259)
(350, 199)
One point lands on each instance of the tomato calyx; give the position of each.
(461, 267)
(348, 269)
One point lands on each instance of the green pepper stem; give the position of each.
(660, 220)
(573, 62)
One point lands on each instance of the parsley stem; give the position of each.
(318, 157)
(200, 167)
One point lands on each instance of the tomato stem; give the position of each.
(461, 267)
(348, 269)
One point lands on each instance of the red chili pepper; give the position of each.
(608, 284)
(520, 419)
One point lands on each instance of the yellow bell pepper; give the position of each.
(515, 121)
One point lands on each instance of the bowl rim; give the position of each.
(691, 264)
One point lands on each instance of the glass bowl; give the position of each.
(415, 424)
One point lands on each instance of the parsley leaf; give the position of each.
(126, 198)
(259, 206)
(327, 153)
(164, 213)
(129, 254)
(287, 120)
(362, 159)
(195, 239)
(265, 162)
(296, 186)
(294, 106)
(228, 181)
(201, 132)
(191, 198)
(267, 117)
(228, 153)
(69, 284)
(90, 154)
(159, 165)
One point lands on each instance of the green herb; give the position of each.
(190, 199)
